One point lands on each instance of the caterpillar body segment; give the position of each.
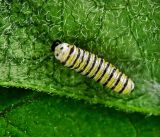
(92, 66)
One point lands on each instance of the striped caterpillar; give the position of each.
(92, 66)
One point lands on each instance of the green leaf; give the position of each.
(38, 114)
(125, 33)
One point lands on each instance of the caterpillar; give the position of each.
(92, 66)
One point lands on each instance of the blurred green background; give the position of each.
(32, 114)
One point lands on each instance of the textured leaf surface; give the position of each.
(38, 114)
(126, 33)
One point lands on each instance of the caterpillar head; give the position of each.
(60, 49)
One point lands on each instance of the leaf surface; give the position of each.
(125, 33)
